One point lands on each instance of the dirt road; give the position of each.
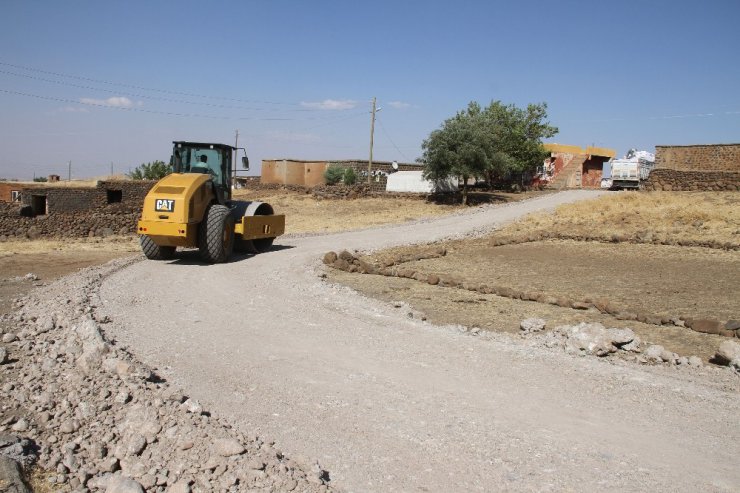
(390, 403)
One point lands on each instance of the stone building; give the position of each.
(574, 167)
(311, 173)
(11, 191)
(65, 199)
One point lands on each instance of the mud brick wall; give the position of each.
(111, 207)
(674, 180)
(74, 199)
(717, 157)
(133, 192)
(64, 199)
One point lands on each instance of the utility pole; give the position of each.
(111, 169)
(372, 132)
(69, 171)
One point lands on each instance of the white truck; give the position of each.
(629, 171)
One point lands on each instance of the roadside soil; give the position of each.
(46, 262)
(657, 279)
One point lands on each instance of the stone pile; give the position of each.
(594, 339)
(95, 419)
(394, 267)
(641, 238)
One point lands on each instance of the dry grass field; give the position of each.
(305, 214)
(655, 217)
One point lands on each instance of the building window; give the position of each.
(114, 196)
(15, 195)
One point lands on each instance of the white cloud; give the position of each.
(117, 101)
(330, 104)
(399, 105)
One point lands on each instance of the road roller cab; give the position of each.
(192, 208)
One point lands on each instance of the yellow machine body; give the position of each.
(175, 207)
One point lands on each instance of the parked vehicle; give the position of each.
(634, 168)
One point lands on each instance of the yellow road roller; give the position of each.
(192, 208)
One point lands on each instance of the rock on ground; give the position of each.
(11, 476)
(729, 354)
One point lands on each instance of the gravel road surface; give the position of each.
(391, 403)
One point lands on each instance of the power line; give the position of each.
(133, 86)
(663, 117)
(382, 127)
(168, 113)
(144, 96)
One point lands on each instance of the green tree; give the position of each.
(517, 138)
(350, 177)
(333, 175)
(150, 171)
(42, 179)
(490, 142)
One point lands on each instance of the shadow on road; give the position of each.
(191, 256)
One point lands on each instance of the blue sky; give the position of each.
(115, 82)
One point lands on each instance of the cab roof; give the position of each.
(203, 144)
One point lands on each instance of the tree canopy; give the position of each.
(497, 141)
(151, 171)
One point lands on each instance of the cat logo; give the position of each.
(164, 205)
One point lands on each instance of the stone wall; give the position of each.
(674, 180)
(716, 157)
(111, 207)
(102, 222)
(48, 200)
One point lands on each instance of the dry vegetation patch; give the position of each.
(690, 218)
(306, 214)
(654, 283)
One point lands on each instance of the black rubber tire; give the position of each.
(154, 251)
(216, 234)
